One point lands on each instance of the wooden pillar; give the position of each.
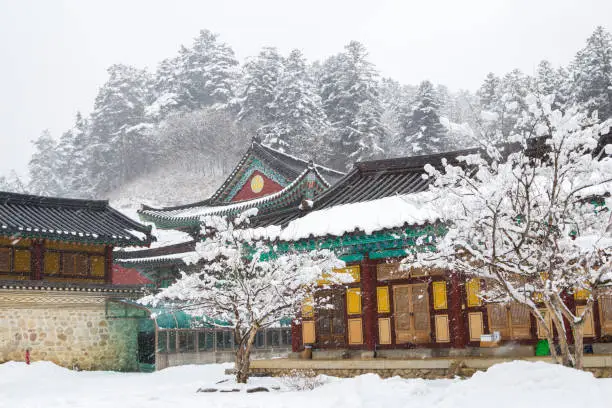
(108, 260)
(368, 295)
(37, 260)
(296, 336)
(459, 337)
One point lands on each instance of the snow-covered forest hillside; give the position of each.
(170, 136)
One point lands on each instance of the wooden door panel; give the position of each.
(411, 313)
(420, 313)
(401, 303)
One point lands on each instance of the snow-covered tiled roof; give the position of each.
(66, 219)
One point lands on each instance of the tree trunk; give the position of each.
(566, 357)
(578, 332)
(549, 337)
(243, 356)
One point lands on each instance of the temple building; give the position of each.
(57, 297)
(264, 178)
(372, 218)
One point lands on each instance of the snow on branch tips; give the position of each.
(531, 217)
(244, 283)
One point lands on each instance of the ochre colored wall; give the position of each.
(69, 329)
(246, 193)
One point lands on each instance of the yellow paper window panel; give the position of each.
(97, 266)
(354, 271)
(589, 327)
(22, 262)
(472, 289)
(355, 331)
(308, 332)
(476, 326)
(439, 295)
(52, 263)
(581, 294)
(308, 307)
(5, 259)
(382, 299)
(442, 329)
(384, 330)
(353, 301)
(605, 314)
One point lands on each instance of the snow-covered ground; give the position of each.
(517, 384)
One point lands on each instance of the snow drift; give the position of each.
(516, 384)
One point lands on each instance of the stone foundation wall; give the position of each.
(69, 329)
(599, 365)
(434, 373)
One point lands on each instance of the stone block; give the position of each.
(602, 348)
(404, 353)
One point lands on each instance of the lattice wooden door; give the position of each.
(411, 314)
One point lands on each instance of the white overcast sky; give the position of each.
(54, 54)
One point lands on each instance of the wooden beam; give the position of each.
(37, 260)
(457, 325)
(296, 336)
(369, 310)
(108, 261)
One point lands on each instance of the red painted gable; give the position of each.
(247, 193)
(128, 276)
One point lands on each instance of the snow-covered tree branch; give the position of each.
(244, 283)
(531, 218)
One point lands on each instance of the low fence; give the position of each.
(215, 345)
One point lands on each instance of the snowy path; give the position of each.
(517, 384)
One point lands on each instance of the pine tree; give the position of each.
(207, 71)
(489, 93)
(167, 89)
(396, 101)
(260, 80)
(201, 76)
(514, 86)
(551, 81)
(43, 167)
(592, 74)
(423, 132)
(80, 184)
(12, 183)
(348, 81)
(115, 150)
(369, 131)
(301, 121)
(72, 150)
(501, 102)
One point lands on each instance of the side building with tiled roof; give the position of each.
(57, 297)
(264, 178)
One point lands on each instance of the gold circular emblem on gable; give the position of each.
(257, 184)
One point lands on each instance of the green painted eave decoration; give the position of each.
(388, 243)
(352, 257)
(389, 253)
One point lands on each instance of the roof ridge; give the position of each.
(22, 199)
(250, 203)
(303, 161)
(410, 162)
